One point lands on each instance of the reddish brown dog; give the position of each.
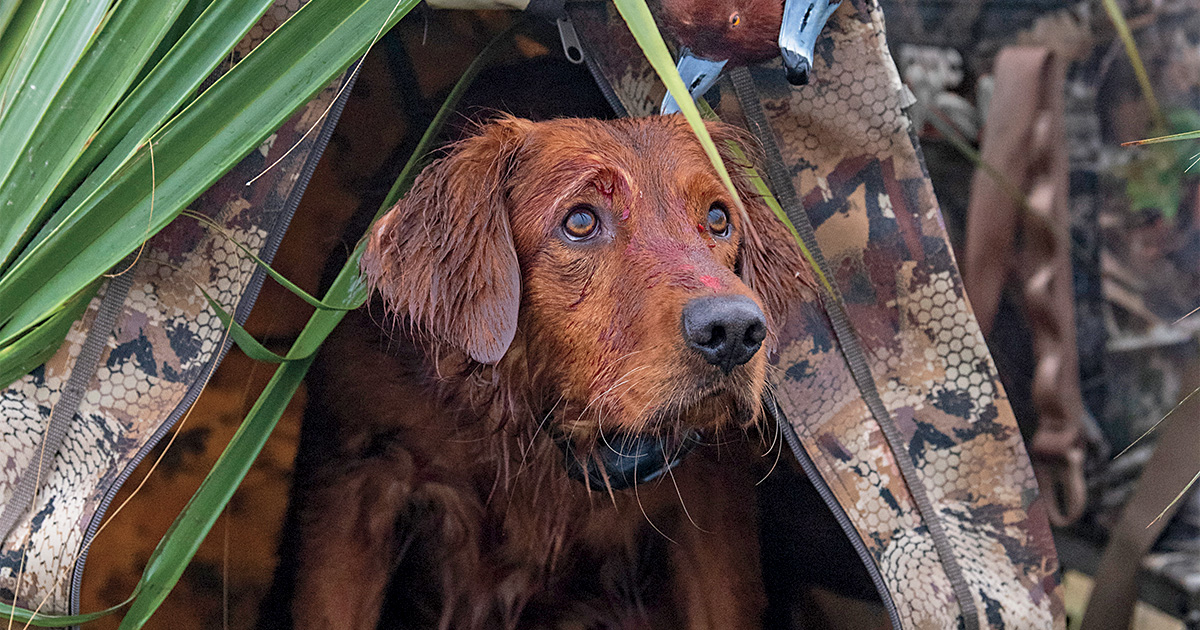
(549, 288)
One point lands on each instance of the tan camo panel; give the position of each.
(863, 185)
(878, 224)
(165, 342)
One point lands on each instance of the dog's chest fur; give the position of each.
(490, 511)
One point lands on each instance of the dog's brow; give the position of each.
(624, 185)
(620, 183)
(574, 187)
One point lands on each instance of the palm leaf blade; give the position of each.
(173, 80)
(58, 36)
(88, 93)
(192, 151)
(37, 346)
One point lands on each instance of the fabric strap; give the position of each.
(1175, 461)
(1024, 189)
(69, 398)
(785, 193)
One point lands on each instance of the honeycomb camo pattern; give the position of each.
(166, 341)
(858, 171)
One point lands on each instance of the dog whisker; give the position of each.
(638, 496)
(532, 441)
(778, 455)
(624, 379)
(600, 428)
(678, 493)
(763, 439)
(549, 414)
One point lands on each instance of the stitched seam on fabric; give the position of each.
(86, 365)
(785, 193)
(775, 412)
(241, 314)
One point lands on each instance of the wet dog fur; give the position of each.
(430, 490)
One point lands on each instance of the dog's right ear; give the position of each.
(444, 256)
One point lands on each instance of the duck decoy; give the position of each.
(714, 33)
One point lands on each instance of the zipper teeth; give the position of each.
(839, 514)
(245, 305)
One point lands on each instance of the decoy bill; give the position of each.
(699, 75)
(803, 21)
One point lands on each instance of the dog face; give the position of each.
(614, 257)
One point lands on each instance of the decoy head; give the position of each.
(740, 32)
(716, 32)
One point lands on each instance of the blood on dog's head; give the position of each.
(603, 263)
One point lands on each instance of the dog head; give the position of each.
(605, 257)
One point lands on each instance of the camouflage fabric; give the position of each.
(858, 169)
(165, 346)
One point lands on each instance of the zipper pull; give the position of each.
(570, 40)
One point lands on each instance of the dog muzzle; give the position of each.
(625, 461)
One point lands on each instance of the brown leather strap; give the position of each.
(1175, 461)
(1025, 190)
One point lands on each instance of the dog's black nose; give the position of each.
(726, 329)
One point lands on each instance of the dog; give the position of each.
(539, 421)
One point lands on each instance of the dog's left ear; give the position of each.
(444, 257)
(769, 260)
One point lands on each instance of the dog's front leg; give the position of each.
(349, 543)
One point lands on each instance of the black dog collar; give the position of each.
(624, 461)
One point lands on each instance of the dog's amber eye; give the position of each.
(735, 19)
(718, 220)
(580, 223)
